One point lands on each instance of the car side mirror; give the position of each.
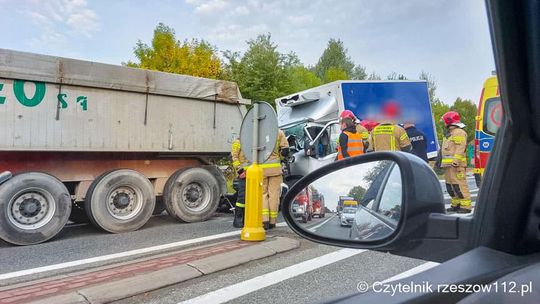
(380, 200)
(309, 149)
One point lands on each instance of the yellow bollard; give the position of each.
(253, 229)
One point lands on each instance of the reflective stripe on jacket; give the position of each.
(238, 157)
(355, 145)
(389, 137)
(454, 148)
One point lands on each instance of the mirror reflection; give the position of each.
(361, 202)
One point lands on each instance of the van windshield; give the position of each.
(492, 115)
(298, 132)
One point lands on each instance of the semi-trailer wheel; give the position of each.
(34, 207)
(120, 201)
(191, 195)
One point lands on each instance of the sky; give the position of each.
(448, 39)
(340, 182)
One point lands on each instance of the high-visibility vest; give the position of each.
(355, 145)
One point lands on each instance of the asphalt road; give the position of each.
(319, 285)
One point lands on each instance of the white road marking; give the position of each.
(243, 288)
(16, 274)
(412, 271)
(313, 229)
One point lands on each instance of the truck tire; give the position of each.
(78, 214)
(191, 195)
(34, 207)
(120, 201)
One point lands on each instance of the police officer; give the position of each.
(272, 181)
(418, 141)
(454, 160)
(350, 142)
(388, 136)
(240, 164)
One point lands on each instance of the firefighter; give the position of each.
(272, 181)
(350, 142)
(388, 136)
(240, 164)
(360, 129)
(454, 161)
(363, 132)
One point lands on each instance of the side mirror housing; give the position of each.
(399, 209)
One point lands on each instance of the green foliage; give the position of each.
(359, 73)
(438, 108)
(262, 73)
(334, 56)
(195, 57)
(335, 73)
(357, 193)
(302, 79)
(467, 110)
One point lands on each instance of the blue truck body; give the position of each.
(365, 99)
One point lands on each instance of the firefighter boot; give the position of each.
(238, 217)
(453, 209)
(463, 210)
(266, 225)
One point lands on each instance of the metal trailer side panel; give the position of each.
(50, 69)
(96, 119)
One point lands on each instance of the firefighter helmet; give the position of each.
(451, 118)
(347, 114)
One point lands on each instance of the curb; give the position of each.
(173, 274)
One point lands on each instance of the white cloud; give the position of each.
(210, 7)
(58, 18)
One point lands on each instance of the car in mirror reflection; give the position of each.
(346, 217)
(380, 212)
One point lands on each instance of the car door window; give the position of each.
(390, 200)
(334, 131)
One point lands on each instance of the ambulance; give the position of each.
(488, 121)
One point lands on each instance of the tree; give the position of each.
(467, 110)
(262, 72)
(333, 74)
(396, 76)
(357, 193)
(335, 55)
(374, 76)
(359, 73)
(376, 170)
(302, 79)
(438, 108)
(432, 85)
(195, 57)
